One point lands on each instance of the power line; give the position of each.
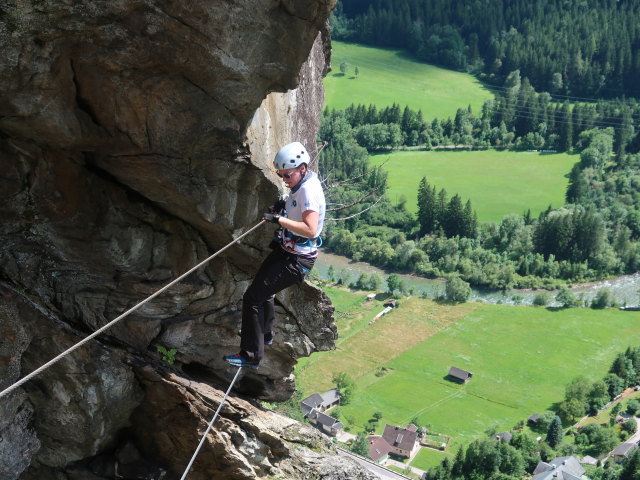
(554, 114)
(572, 98)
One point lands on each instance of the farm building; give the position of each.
(561, 468)
(320, 401)
(325, 423)
(459, 375)
(378, 448)
(503, 437)
(623, 451)
(403, 441)
(533, 419)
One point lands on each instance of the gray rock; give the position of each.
(246, 441)
(135, 140)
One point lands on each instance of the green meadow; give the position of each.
(521, 359)
(387, 76)
(496, 182)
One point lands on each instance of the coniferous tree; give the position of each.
(454, 217)
(577, 187)
(554, 434)
(631, 467)
(470, 221)
(565, 128)
(458, 463)
(625, 132)
(426, 207)
(441, 208)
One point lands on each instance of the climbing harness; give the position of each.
(116, 320)
(303, 241)
(195, 454)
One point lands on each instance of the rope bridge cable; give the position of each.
(195, 454)
(116, 320)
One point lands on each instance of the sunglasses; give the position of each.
(287, 175)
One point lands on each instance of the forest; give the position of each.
(579, 48)
(594, 236)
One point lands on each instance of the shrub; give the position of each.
(457, 290)
(633, 406)
(541, 299)
(566, 298)
(360, 446)
(603, 299)
(630, 426)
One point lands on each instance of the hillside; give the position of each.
(567, 48)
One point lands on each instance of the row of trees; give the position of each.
(563, 47)
(517, 117)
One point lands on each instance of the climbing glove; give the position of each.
(271, 217)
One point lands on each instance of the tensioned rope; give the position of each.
(116, 320)
(195, 454)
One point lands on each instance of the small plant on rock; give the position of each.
(168, 356)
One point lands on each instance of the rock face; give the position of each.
(135, 140)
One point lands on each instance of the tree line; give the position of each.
(517, 117)
(568, 48)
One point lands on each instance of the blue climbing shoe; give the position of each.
(239, 360)
(268, 338)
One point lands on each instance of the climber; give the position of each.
(295, 249)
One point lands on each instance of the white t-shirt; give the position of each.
(306, 196)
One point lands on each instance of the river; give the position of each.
(625, 289)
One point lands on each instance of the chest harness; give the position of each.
(298, 239)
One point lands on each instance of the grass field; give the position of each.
(521, 358)
(496, 182)
(387, 76)
(362, 348)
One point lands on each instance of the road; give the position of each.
(635, 438)
(382, 472)
(395, 463)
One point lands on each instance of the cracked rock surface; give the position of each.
(135, 140)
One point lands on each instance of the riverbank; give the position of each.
(625, 289)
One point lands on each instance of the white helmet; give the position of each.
(291, 156)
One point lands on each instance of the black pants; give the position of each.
(278, 271)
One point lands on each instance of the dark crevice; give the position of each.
(201, 373)
(134, 196)
(82, 103)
